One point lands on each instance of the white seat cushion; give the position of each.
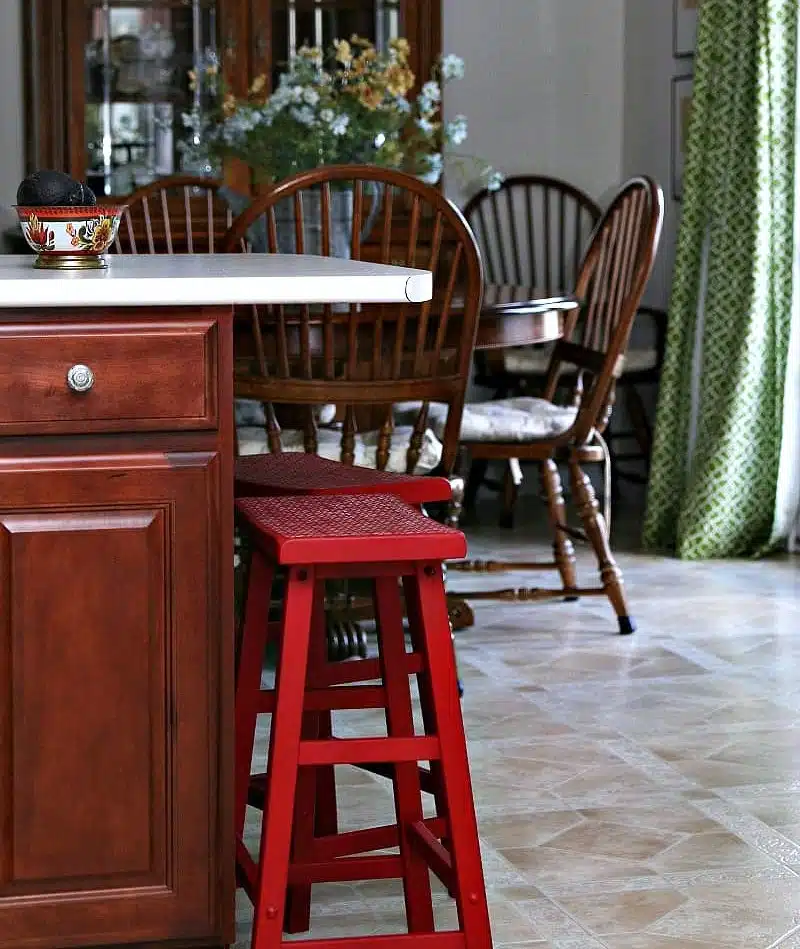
(523, 419)
(535, 360)
(253, 441)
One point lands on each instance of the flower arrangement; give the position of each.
(348, 104)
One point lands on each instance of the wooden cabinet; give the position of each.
(115, 669)
(107, 81)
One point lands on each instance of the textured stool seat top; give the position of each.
(293, 472)
(346, 529)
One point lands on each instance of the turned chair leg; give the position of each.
(477, 475)
(563, 551)
(510, 495)
(595, 528)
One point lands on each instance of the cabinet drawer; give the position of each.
(145, 376)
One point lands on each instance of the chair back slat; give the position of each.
(610, 285)
(364, 358)
(180, 214)
(533, 231)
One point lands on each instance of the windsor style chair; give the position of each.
(175, 215)
(534, 232)
(329, 380)
(611, 282)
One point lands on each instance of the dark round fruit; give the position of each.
(54, 188)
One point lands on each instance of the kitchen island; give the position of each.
(116, 617)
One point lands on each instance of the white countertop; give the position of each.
(197, 279)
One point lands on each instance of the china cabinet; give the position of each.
(107, 81)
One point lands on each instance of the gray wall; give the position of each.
(544, 85)
(649, 67)
(11, 113)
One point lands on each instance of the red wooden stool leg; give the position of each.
(248, 680)
(400, 724)
(425, 699)
(427, 589)
(315, 800)
(282, 764)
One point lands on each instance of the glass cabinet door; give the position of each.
(137, 56)
(294, 23)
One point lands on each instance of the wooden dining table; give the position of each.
(513, 315)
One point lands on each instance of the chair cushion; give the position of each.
(535, 360)
(253, 441)
(251, 412)
(523, 419)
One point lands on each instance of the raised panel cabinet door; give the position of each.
(114, 816)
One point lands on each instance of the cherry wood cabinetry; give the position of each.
(107, 81)
(115, 634)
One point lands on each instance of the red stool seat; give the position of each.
(294, 472)
(337, 529)
(381, 538)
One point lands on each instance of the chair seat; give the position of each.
(301, 473)
(535, 360)
(253, 441)
(347, 529)
(522, 419)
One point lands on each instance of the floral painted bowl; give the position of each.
(67, 238)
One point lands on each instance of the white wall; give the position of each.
(649, 68)
(11, 112)
(544, 85)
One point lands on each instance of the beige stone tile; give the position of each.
(622, 912)
(702, 851)
(722, 774)
(606, 839)
(527, 830)
(547, 866)
(733, 927)
(678, 817)
(652, 941)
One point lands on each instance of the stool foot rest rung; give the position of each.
(348, 869)
(335, 698)
(433, 851)
(353, 842)
(442, 940)
(366, 750)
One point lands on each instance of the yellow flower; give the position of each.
(401, 47)
(399, 80)
(100, 237)
(258, 85)
(229, 104)
(344, 53)
(212, 69)
(369, 55)
(369, 97)
(356, 40)
(310, 52)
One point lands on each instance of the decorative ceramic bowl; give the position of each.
(67, 238)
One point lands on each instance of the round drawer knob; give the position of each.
(80, 378)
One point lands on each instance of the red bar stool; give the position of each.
(295, 472)
(381, 538)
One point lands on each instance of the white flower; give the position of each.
(380, 140)
(431, 92)
(327, 115)
(456, 130)
(305, 115)
(452, 67)
(434, 171)
(298, 94)
(402, 105)
(339, 124)
(310, 96)
(494, 179)
(425, 126)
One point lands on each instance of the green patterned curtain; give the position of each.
(718, 432)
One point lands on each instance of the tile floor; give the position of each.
(633, 793)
